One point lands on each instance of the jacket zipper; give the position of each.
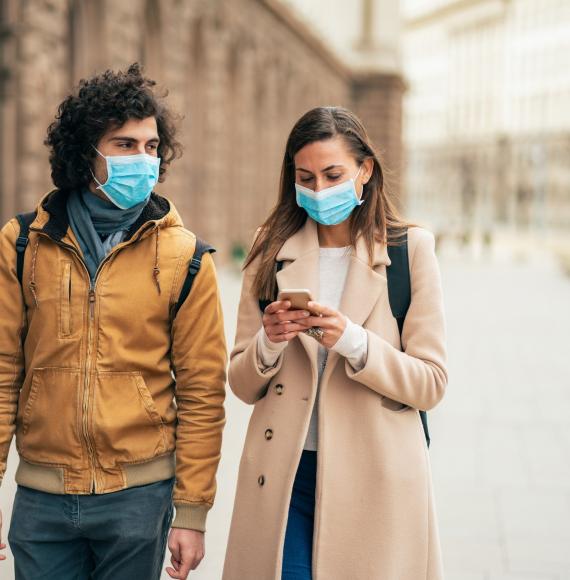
(86, 384)
(91, 308)
(90, 449)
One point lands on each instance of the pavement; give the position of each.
(500, 439)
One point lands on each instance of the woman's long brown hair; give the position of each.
(377, 220)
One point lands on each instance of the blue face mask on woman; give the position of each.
(332, 205)
(130, 178)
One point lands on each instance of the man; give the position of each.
(111, 380)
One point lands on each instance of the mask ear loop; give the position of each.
(100, 185)
(361, 200)
(358, 173)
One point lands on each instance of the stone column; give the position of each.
(378, 46)
(377, 100)
(175, 60)
(209, 199)
(43, 83)
(9, 91)
(378, 86)
(86, 41)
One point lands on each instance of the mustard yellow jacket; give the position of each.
(105, 387)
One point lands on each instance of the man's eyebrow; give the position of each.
(131, 139)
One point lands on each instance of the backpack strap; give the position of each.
(25, 220)
(193, 269)
(399, 284)
(400, 295)
(263, 304)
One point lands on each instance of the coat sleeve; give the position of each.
(12, 325)
(199, 358)
(246, 379)
(417, 376)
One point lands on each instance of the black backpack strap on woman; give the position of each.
(400, 295)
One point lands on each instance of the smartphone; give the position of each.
(299, 297)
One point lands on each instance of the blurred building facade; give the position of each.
(239, 71)
(487, 115)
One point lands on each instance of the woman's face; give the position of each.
(322, 164)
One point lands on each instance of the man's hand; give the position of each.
(2, 546)
(187, 549)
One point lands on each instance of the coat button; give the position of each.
(269, 434)
(279, 389)
(261, 480)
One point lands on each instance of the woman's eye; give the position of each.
(152, 147)
(333, 177)
(306, 179)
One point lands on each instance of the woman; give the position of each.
(334, 480)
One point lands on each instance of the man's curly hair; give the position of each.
(100, 104)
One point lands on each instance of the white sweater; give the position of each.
(353, 344)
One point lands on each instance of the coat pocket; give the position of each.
(393, 405)
(48, 419)
(126, 424)
(65, 327)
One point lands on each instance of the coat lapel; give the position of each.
(364, 285)
(301, 270)
(363, 288)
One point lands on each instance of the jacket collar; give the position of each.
(364, 284)
(52, 218)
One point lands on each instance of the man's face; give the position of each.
(134, 137)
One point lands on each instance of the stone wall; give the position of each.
(239, 72)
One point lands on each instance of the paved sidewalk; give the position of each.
(501, 441)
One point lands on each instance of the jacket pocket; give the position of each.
(65, 327)
(48, 418)
(126, 424)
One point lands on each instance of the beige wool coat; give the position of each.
(375, 516)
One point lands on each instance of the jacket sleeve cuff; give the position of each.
(353, 345)
(268, 352)
(191, 516)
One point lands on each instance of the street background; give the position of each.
(467, 103)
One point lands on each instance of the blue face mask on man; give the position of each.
(130, 178)
(332, 205)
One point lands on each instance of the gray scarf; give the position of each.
(98, 225)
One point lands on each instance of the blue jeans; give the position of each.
(298, 548)
(99, 537)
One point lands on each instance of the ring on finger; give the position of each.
(315, 332)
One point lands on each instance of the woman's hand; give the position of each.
(283, 324)
(329, 320)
